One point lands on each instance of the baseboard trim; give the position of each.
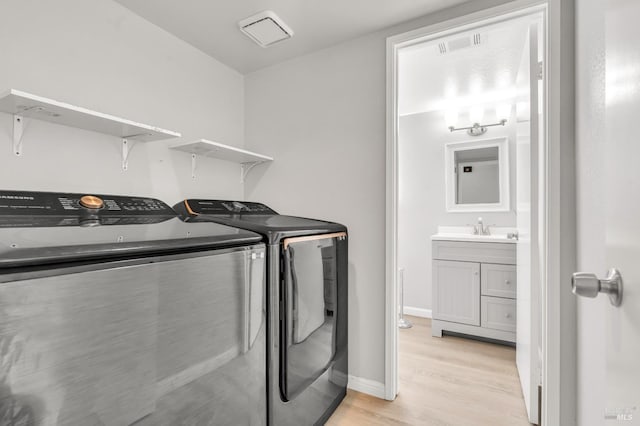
(370, 387)
(418, 312)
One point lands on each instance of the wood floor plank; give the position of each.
(449, 381)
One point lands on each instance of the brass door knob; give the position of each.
(91, 202)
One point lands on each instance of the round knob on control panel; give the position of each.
(91, 202)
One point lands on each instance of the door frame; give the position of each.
(558, 307)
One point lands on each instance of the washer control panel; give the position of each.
(63, 209)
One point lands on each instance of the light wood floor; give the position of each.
(444, 381)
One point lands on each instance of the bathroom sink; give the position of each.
(465, 233)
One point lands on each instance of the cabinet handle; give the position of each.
(507, 282)
(507, 315)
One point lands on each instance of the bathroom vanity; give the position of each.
(474, 285)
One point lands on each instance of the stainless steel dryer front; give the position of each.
(307, 306)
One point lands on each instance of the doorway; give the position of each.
(477, 105)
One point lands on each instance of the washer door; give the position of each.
(308, 328)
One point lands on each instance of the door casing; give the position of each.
(558, 306)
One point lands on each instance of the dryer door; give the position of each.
(308, 329)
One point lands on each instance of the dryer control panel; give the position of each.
(225, 207)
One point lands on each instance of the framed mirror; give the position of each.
(477, 176)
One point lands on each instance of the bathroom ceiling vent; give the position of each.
(470, 40)
(265, 28)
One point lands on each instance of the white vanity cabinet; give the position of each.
(474, 288)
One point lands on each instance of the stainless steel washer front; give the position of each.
(166, 340)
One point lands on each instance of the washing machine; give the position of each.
(113, 311)
(306, 307)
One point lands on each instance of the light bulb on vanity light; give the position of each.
(475, 114)
(503, 112)
(451, 118)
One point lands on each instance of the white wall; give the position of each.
(322, 116)
(590, 132)
(315, 117)
(422, 196)
(101, 56)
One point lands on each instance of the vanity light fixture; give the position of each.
(477, 129)
(476, 114)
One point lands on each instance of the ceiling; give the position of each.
(212, 25)
(475, 76)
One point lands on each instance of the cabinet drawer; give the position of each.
(498, 313)
(498, 280)
(504, 253)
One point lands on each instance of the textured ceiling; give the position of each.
(211, 25)
(482, 75)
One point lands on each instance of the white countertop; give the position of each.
(465, 233)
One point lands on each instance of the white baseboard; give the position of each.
(418, 312)
(370, 387)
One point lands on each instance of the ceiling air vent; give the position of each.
(265, 28)
(452, 45)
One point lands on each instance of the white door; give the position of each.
(609, 336)
(527, 207)
(622, 198)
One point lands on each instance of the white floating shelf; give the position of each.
(221, 151)
(23, 105)
(28, 105)
(246, 159)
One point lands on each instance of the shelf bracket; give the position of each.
(18, 130)
(245, 168)
(126, 149)
(193, 166)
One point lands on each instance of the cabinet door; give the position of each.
(456, 291)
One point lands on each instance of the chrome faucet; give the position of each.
(480, 228)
